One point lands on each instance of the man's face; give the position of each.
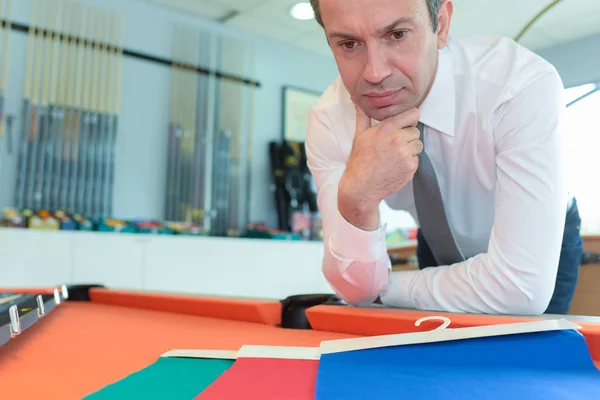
(385, 50)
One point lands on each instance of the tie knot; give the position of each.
(421, 128)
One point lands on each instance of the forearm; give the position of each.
(355, 262)
(355, 207)
(481, 285)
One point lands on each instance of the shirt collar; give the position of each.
(438, 108)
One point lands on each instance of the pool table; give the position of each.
(95, 335)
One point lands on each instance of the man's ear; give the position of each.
(444, 19)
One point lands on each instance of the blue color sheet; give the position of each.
(542, 365)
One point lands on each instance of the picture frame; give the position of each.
(297, 105)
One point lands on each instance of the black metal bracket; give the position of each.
(23, 28)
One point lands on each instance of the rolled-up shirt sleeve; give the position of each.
(355, 261)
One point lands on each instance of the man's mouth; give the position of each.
(383, 99)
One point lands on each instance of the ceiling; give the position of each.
(569, 20)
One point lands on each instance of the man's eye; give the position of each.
(398, 35)
(348, 45)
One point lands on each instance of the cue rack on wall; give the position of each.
(70, 108)
(209, 130)
(65, 151)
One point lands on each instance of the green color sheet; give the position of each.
(172, 378)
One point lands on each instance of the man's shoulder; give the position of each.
(496, 60)
(333, 98)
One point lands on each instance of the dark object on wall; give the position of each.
(278, 186)
(292, 183)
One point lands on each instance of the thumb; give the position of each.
(363, 121)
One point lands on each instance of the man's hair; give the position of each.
(432, 5)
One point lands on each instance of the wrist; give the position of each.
(356, 207)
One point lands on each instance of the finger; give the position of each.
(411, 134)
(403, 136)
(416, 147)
(363, 121)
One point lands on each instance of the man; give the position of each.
(502, 235)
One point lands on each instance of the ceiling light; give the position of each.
(302, 11)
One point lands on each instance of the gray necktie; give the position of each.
(431, 213)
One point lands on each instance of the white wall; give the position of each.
(142, 133)
(212, 266)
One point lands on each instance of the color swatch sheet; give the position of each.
(538, 365)
(172, 378)
(267, 373)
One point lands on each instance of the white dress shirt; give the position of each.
(493, 133)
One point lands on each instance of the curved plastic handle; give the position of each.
(446, 321)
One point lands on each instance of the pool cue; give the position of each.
(54, 113)
(44, 110)
(200, 141)
(44, 113)
(172, 132)
(23, 162)
(212, 110)
(36, 110)
(249, 141)
(221, 169)
(115, 101)
(187, 127)
(181, 128)
(194, 142)
(98, 206)
(199, 127)
(98, 109)
(66, 94)
(247, 145)
(178, 129)
(61, 110)
(9, 133)
(87, 187)
(215, 152)
(184, 129)
(86, 116)
(94, 127)
(250, 124)
(4, 74)
(191, 122)
(77, 111)
(109, 59)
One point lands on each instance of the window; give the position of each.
(583, 152)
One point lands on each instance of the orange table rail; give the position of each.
(258, 311)
(248, 310)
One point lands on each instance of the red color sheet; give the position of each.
(265, 379)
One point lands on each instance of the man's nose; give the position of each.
(377, 67)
